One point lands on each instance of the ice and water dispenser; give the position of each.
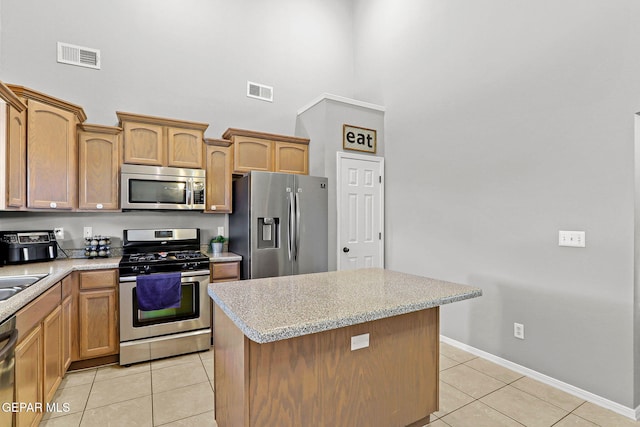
(268, 233)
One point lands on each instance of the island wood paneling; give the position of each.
(317, 380)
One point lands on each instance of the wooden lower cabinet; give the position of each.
(28, 376)
(98, 314)
(225, 271)
(52, 353)
(67, 332)
(317, 379)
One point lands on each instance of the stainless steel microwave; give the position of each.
(155, 187)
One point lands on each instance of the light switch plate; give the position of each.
(576, 239)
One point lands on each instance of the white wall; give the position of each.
(506, 122)
(188, 59)
(322, 123)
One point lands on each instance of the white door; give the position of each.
(360, 204)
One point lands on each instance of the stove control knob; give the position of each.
(146, 268)
(185, 266)
(134, 268)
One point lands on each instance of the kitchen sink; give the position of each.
(11, 285)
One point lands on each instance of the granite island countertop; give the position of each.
(278, 308)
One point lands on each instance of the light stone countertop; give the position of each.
(278, 308)
(57, 270)
(224, 257)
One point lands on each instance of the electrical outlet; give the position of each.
(359, 341)
(518, 330)
(88, 232)
(220, 231)
(59, 232)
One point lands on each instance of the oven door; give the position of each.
(194, 311)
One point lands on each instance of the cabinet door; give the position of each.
(98, 334)
(16, 158)
(28, 376)
(218, 170)
(143, 144)
(51, 157)
(67, 332)
(52, 351)
(252, 154)
(98, 171)
(184, 148)
(291, 158)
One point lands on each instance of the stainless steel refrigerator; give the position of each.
(279, 224)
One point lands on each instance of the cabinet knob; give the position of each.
(53, 205)
(99, 206)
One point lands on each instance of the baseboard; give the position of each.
(631, 413)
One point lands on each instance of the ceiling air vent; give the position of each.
(258, 91)
(78, 55)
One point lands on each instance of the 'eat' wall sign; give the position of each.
(358, 139)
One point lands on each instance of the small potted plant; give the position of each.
(216, 244)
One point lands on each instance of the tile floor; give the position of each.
(179, 392)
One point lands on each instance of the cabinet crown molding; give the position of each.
(231, 132)
(133, 117)
(87, 127)
(27, 93)
(218, 142)
(11, 98)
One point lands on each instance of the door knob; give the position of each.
(345, 249)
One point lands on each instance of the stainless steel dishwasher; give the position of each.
(8, 339)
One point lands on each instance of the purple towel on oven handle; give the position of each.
(158, 291)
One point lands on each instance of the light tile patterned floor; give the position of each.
(179, 392)
(170, 392)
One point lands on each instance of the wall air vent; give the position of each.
(78, 55)
(259, 91)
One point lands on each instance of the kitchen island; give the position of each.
(348, 348)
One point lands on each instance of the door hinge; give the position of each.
(379, 236)
(380, 179)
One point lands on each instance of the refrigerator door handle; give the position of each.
(297, 225)
(290, 226)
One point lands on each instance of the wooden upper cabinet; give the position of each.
(252, 154)
(268, 152)
(52, 168)
(158, 141)
(219, 165)
(184, 147)
(13, 120)
(51, 157)
(98, 167)
(144, 144)
(291, 158)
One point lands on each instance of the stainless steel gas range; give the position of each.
(153, 334)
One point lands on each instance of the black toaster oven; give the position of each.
(18, 247)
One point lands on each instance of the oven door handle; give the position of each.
(185, 274)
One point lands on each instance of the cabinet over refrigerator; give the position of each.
(279, 224)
